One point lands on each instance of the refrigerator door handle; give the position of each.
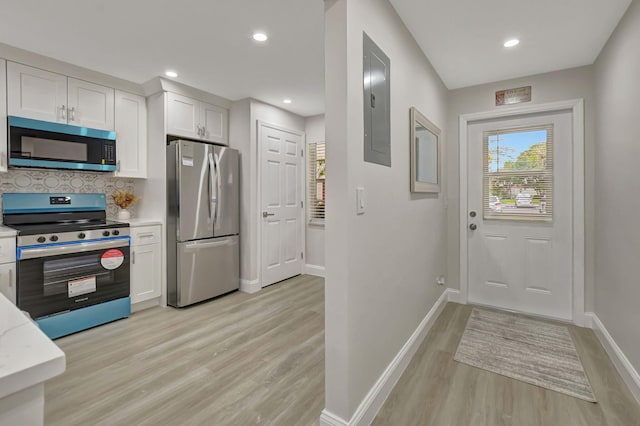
(213, 199)
(218, 186)
(199, 246)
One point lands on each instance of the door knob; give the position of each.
(473, 226)
(265, 214)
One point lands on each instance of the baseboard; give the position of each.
(137, 307)
(315, 270)
(624, 367)
(371, 404)
(455, 296)
(329, 419)
(250, 286)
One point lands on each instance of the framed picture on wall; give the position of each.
(425, 154)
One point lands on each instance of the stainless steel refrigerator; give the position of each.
(203, 194)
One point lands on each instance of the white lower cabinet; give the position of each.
(146, 263)
(8, 281)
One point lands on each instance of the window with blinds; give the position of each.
(518, 174)
(316, 180)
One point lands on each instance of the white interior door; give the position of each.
(519, 223)
(281, 204)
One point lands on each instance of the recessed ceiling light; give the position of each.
(511, 43)
(287, 101)
(171, 74)
(260, 37)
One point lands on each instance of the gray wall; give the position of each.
(617, 191)
(382, 265)
(555, 86)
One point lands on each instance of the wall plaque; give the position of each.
(513, 96)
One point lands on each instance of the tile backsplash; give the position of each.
(63, 181)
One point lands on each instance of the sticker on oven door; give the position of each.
(81, 286)
(112, 259)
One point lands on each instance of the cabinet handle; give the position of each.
(72, 114)
(63, 112)
(10, 278)
(118, 166)
(133, 258)
(146, 235)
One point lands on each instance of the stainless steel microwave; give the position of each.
(44, 144)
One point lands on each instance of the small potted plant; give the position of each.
(124, 199)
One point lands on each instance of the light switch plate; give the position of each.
(359, 200)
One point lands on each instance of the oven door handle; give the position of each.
(56, 250)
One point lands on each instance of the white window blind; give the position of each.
(316, 180)
(518, 174)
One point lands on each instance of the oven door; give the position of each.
(61, 277)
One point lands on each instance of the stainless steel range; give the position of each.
(72, 263)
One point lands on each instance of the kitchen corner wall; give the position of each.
(62, 181)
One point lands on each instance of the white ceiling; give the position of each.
(208, 42)
(463, 38)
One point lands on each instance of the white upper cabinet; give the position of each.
(90, 105)
(43, 95)
(35, 93)
(183, 115)
(194, 119)
(131, 135)
(3, 115)
(214, 120)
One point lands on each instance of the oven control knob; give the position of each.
(106, 233)
(82, 235)
(41, 239)
(53, 238)
(116, 232)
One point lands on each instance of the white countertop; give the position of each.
(5, 231)
(27, 355)
(142, 222)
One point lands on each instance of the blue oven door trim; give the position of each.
(20, 250)
(70, 322)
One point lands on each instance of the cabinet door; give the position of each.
(215, 119)
(3, 115)
(131, 135)
(35, 93)
(145, 272)
(8, 281)
(90, 105)
(183, 115)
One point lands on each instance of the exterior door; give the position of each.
(281, 205)
(519, 223)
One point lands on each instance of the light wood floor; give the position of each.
(259, 359)
(436, 390)
(238, 360)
